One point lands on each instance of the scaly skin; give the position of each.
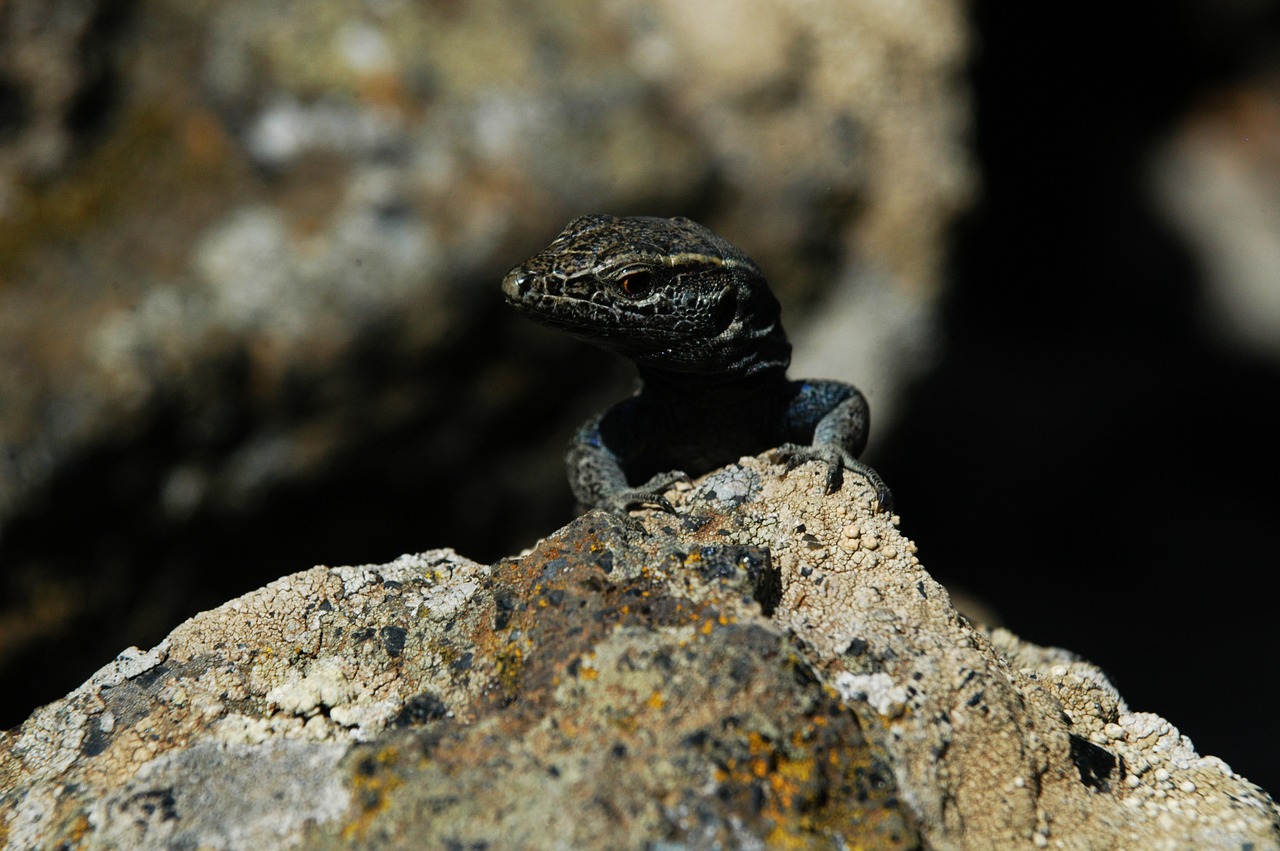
(698, 319)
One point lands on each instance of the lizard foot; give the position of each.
(648, 495)
(837, 460)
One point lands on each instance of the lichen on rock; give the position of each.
(769, 667)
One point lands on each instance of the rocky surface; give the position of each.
(251, 251)
(772, 666)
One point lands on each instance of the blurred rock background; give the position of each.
(250, 322)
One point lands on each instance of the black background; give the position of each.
(1082, 401)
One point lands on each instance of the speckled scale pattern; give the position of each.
(697, 317)
(591, 243)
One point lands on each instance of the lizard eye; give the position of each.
(636, 284)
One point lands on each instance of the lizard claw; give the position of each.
(648, 495)
(837, 460)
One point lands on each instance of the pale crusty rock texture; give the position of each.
(770, 667)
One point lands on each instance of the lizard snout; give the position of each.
(517, 283)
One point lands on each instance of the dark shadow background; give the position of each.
(1080, 398)
(1079, 402)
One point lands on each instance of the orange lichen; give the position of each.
(509, 666)
(803, 789)
(371, 785)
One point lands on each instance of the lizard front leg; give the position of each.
(595, 464)
(838, 418)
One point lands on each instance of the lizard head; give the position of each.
(667, 293)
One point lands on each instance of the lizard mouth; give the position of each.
(543, 299)
(600, 324)
(525, 293)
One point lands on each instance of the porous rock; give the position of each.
(770, 667)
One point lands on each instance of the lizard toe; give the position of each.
(837, 460)
(793, 455)
(835, 475)
(884, 497)
(637, 498)
(652, 494)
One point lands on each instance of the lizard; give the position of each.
(696, 316)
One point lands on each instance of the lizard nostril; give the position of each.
(518, 283)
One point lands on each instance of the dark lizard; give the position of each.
(698, 319)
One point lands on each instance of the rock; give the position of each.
(56, 70)
(620, 685)
(1217, 179)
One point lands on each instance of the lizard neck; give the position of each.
(739, 380)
